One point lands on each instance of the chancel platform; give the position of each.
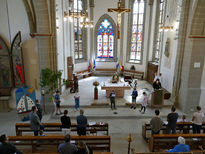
(118, 87)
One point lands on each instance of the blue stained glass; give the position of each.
(105, 40)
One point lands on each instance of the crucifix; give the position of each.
(119, 11)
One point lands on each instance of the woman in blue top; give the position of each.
(181, 147)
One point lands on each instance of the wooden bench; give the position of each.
(83, 74)
(56, 127)
(93, 153)
(135, 74)
(97, 143)
(164, 152)
(184, 127)
(105, 71)
(168, 141)
(167, 94)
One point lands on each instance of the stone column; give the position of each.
(92, 53)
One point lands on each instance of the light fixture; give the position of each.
(166, 28)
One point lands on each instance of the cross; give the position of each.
(119, 11)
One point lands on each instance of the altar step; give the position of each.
(122, 113)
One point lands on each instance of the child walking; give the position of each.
(144, 102)
(77, 101)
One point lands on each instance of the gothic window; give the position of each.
(137, 31)
(158, 42)
(105, 40)
(79, 32)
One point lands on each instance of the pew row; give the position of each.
(161, 142)
(165, 152)
(83, 74)
(97, 143)
(183, 127)
(56, 127)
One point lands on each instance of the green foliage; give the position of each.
(49, 79)
(66, 83)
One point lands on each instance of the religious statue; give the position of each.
(119, 10)
(115, 78)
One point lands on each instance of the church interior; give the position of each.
(89, 49)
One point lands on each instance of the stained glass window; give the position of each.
(159, 34)
(105, 40)
(137, 30)
(78, 32)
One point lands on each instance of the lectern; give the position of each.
(157, 99)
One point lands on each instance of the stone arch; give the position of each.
(106, 16)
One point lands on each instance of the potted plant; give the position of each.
(96, 84)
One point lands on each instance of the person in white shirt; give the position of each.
(197, 120)
(158, 77)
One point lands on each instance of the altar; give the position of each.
(118, 87)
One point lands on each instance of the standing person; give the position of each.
(156, 123)
(172, 121)
(112, 99)
(77, 101)
(81, 123)
(134, 96)
(65, 120)
(67, 147)
(57, 101)
(75, 84)
(181, 147)
(39, 110)
(157, 85)
(144, 102)
(35, 122)
(197, 120)
(6, 147)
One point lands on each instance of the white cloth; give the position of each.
(66, 131)
(145, 101)
(198, 118)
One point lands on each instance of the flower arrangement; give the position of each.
(95, 83)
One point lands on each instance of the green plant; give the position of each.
(49, 80)
(66, 83)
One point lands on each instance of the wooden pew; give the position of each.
(162, 142)
(97, 143)
(135, 74)
(186, 128)
(83, 74)
(56, 127)
(105, 71)
(164, 152)
(93, 153)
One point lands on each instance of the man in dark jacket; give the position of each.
(81, 123)
(7, 148)
(39, 112)
(112, 99)
(172, 121)
(65, 120)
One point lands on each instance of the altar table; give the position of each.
(119, 88)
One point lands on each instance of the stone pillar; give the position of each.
(92, 53)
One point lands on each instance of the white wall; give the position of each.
(168, 63)
(17, 19)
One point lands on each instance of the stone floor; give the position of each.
(120, 125)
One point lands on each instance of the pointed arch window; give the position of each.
(79, 32)
(135, 47)
(159, 34)
(105, 40)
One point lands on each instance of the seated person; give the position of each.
(115, 78)
(181, 147)
(6, 147)
(83, 148)
(157, 85)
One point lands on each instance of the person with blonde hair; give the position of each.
(181, 147)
